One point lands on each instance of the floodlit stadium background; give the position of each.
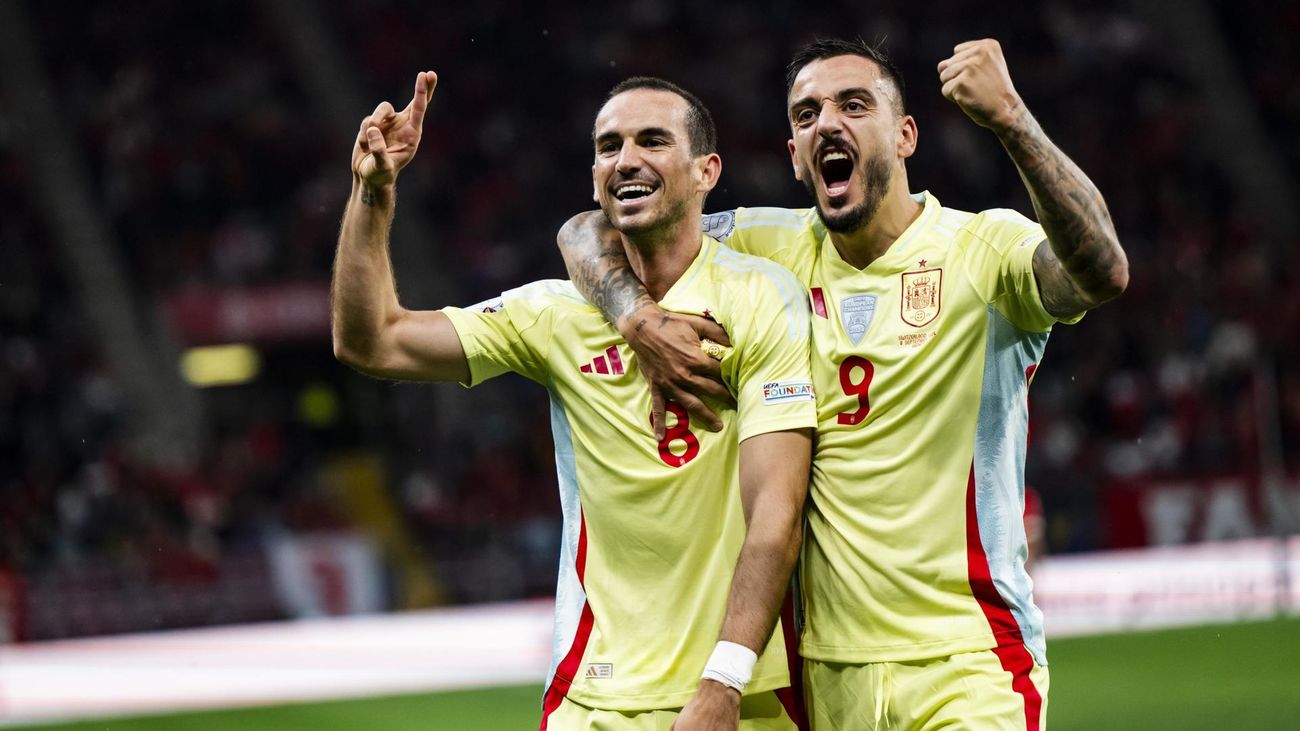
(178, 448)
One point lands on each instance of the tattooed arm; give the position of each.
(667, 345)
(1081, 265)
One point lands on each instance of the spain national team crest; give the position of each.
(921, 296)
(855, 315)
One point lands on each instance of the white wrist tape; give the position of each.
(731, 664)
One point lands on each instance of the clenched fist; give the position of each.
(976, 78)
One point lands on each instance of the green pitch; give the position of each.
(1244, 676)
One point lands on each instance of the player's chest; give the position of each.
(606, 402)
(885, 334)
(890, 310)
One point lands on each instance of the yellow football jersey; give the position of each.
(915, 545)
(652, 530)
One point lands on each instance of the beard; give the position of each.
(875, 181)
(670, 213)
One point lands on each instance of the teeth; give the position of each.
(834, 156)
(635, 188)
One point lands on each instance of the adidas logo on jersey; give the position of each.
(609, 364)
(599, 670)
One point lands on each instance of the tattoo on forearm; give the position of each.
(1085, 251)
(368, 197)
(608, 281)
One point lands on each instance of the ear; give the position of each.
(708, 169)
(794, 161)
(907, 133)
(595, 196)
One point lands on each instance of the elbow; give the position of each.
(570, 234)
(1119, 273)
(1105, 281)
(353, 351)
(346, 353)
(1115, 281)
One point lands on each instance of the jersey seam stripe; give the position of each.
(996, 612)
(786, 285)
(774, 212)
(568, 667)
(785, 225)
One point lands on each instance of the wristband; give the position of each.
(731, 664)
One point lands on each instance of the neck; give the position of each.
(660, 257)
(897, 211)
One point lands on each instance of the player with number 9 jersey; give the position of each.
(652, 530)
(915, 546)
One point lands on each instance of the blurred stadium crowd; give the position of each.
(211, 139)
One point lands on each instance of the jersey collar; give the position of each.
(901, 246)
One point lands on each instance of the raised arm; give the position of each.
(372, 332)
(667, 345)
(1082, 264)
(774, 472)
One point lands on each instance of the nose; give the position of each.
(829, 122)
(629, 159)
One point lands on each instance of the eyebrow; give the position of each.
(840, 96)
(643, 132)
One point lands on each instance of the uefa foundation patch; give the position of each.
(781, 393)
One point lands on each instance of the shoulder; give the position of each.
(531, 302)
(749, 271)
(791, 222)
(1000, 228)
(761, 289)
(553, 292)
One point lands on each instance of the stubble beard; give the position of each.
(875, 182)
(665, 219)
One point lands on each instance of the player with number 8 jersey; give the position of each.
(652, 528)
(678, 542)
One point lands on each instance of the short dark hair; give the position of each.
(699, 123)
(831, 47)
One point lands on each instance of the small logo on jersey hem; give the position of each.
(781, 393)
(609, 364)
(921, 296)
(856, 313)
(599, 671)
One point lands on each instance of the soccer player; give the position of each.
(928, 323)
(677, 551)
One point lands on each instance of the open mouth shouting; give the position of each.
(836, 168)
